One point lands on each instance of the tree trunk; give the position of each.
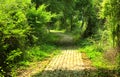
(89, 30)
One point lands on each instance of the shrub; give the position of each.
(38, 19)
(13, 31)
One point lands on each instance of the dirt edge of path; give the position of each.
(34, 68)
(87, 62)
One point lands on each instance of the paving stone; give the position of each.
(66, 64)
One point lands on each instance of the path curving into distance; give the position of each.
(68, 63)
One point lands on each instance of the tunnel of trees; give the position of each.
(25, 28)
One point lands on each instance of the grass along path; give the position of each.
(33, 69)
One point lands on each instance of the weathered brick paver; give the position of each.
(67, 64)
(68, 59)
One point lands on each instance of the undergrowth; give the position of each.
(105, 67)
(38, 53)
(95, 53)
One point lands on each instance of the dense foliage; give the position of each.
(25, 28)
(111, 13)
(21, 26)
(13, 32)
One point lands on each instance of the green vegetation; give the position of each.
(99, 57)
(22, 32)
(27, 31)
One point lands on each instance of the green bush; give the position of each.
(38, 19)
(38, 53)
(21, 26)
(13, 31)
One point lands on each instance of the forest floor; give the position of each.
(69, 63)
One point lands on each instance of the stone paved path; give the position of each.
(68, 59)
(67, 64)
